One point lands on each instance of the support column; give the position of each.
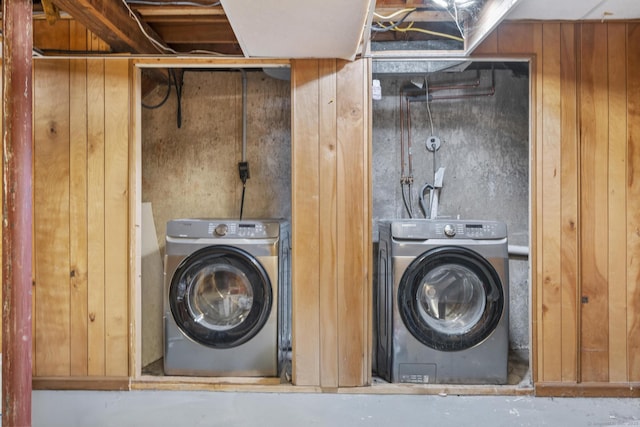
(17, 206)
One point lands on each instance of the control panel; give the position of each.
(234, 229)
(468, 230)
(222, 229)
(448, 229)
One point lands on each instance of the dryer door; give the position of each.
(450, 298)
(220, 296)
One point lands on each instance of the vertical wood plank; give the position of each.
(551, 187)
(78, 203)
(569, 203)
(51, 217)
(47, 36)
(594, 200)
(96, 44)
(50, 310)
(330, 326)
(95, 216)
(135, 219)
(537, 363)
(305, 236)
(116, 101)
(352, 199)
(367, 219)
(489, 45)
(32, 275)
(516, 38)
(617, 90)
(633, 201)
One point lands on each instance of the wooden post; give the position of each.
(17, 163)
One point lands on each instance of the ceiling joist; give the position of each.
(113, 22)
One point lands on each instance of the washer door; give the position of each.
(450, 298)
(220, 296)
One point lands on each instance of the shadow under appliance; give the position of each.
(442, 302)
(227, 297)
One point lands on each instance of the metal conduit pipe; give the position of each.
(244, 115)
(402, 176)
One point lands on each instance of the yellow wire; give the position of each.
(420, 30)
(398, 12)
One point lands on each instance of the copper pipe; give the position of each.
(420, 96)
(462, 84)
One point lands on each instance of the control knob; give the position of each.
(221, 230)
(449, 230)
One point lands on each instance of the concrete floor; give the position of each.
(196, 408)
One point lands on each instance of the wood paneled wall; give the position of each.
(81, 260)
(585, 208)
(586, 169)
(331, 216)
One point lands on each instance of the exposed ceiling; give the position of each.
(311, 28)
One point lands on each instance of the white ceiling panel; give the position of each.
(298, 29)
(575, 9)
(615, 9)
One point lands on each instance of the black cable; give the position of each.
(243, 169)
(178, 95)
(166, 96)
(244, 186)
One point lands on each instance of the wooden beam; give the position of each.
(51, 11)
(17, 206)
(112, 21)
(153, 13)
(196, 32)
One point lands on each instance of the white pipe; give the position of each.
(518, 250)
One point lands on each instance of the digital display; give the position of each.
(247, 225)
(473, 225)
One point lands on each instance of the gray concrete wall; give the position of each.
(192, 171)
(485, 150)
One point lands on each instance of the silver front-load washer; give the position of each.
(227, 297)
(442, 302)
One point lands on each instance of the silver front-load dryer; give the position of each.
(442, 301)
(227, 303)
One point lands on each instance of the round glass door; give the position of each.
(450, 298)
(220, 296)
